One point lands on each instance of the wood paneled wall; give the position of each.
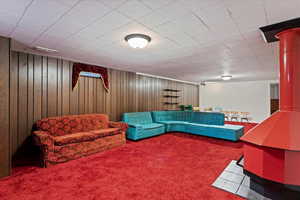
(4, 107)
(41, 87)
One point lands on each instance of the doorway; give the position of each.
(274, 94)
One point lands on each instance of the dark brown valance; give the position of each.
(80, 67)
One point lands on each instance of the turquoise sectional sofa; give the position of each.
(141, 125)
(146, 124)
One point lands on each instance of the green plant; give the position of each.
(182, 107)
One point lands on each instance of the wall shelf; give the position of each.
(171, 90)
(171, 96)
(171, 103)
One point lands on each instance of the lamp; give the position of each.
(137, 40)
(226, 77)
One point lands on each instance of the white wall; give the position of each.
(252, 96)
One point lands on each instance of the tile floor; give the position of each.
(233, 180)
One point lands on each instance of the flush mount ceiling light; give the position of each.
(137, 40)
(39, 48)
(226, 77)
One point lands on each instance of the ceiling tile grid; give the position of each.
(200, 39)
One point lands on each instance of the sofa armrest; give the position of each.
(135, 126)
(121, 125)
(42, 138)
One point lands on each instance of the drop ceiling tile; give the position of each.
(67, 25)
(8, 20)
(92, 10)
(68, 3)
(206, 37)
(190, 23)
(214, 15)
(176, 33)
(105, 25)
(50, 11)
(155, 4)
(281, 10)
(48, 41)
(14, 6)
(5, 29)
(242, 15)
(172, 11)
(113, 3)
(134, 9)
(196, 4)
(25, 36)
(153, 19)
(64, 30)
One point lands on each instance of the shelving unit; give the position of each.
(171, 98)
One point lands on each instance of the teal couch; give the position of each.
(199, 123)
(141, 125)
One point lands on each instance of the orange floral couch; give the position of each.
(70, 137)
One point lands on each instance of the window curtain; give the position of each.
(80, 67)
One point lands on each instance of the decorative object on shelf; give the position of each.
(80, 67)
(196, 109)
(186, 107)
(189, 107)
(210, 109)
(138, 40)
(182, 107)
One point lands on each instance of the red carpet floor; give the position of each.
(172, 166)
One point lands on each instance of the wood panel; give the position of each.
(274, 105)
(4, 107)
(41, 87)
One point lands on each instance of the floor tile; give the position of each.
(234, 181)
(226, 185)
(233, 167)
(236, 178)
(243, 191)
(246, 181)
(255, 196)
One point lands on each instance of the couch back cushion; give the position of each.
(59, 126)
(172, 116)
(211, 118)
(138, 118)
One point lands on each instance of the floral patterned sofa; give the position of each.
(69, 137)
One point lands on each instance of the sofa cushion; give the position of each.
(137, 118)
(151, 126)
(135, 125)
(172, 116)
(211, 118)
(64, 125)
(172, 122)
(229, 132)
(84, 136)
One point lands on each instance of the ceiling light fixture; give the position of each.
(226, 77)
(45, 49)
(137, 40)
